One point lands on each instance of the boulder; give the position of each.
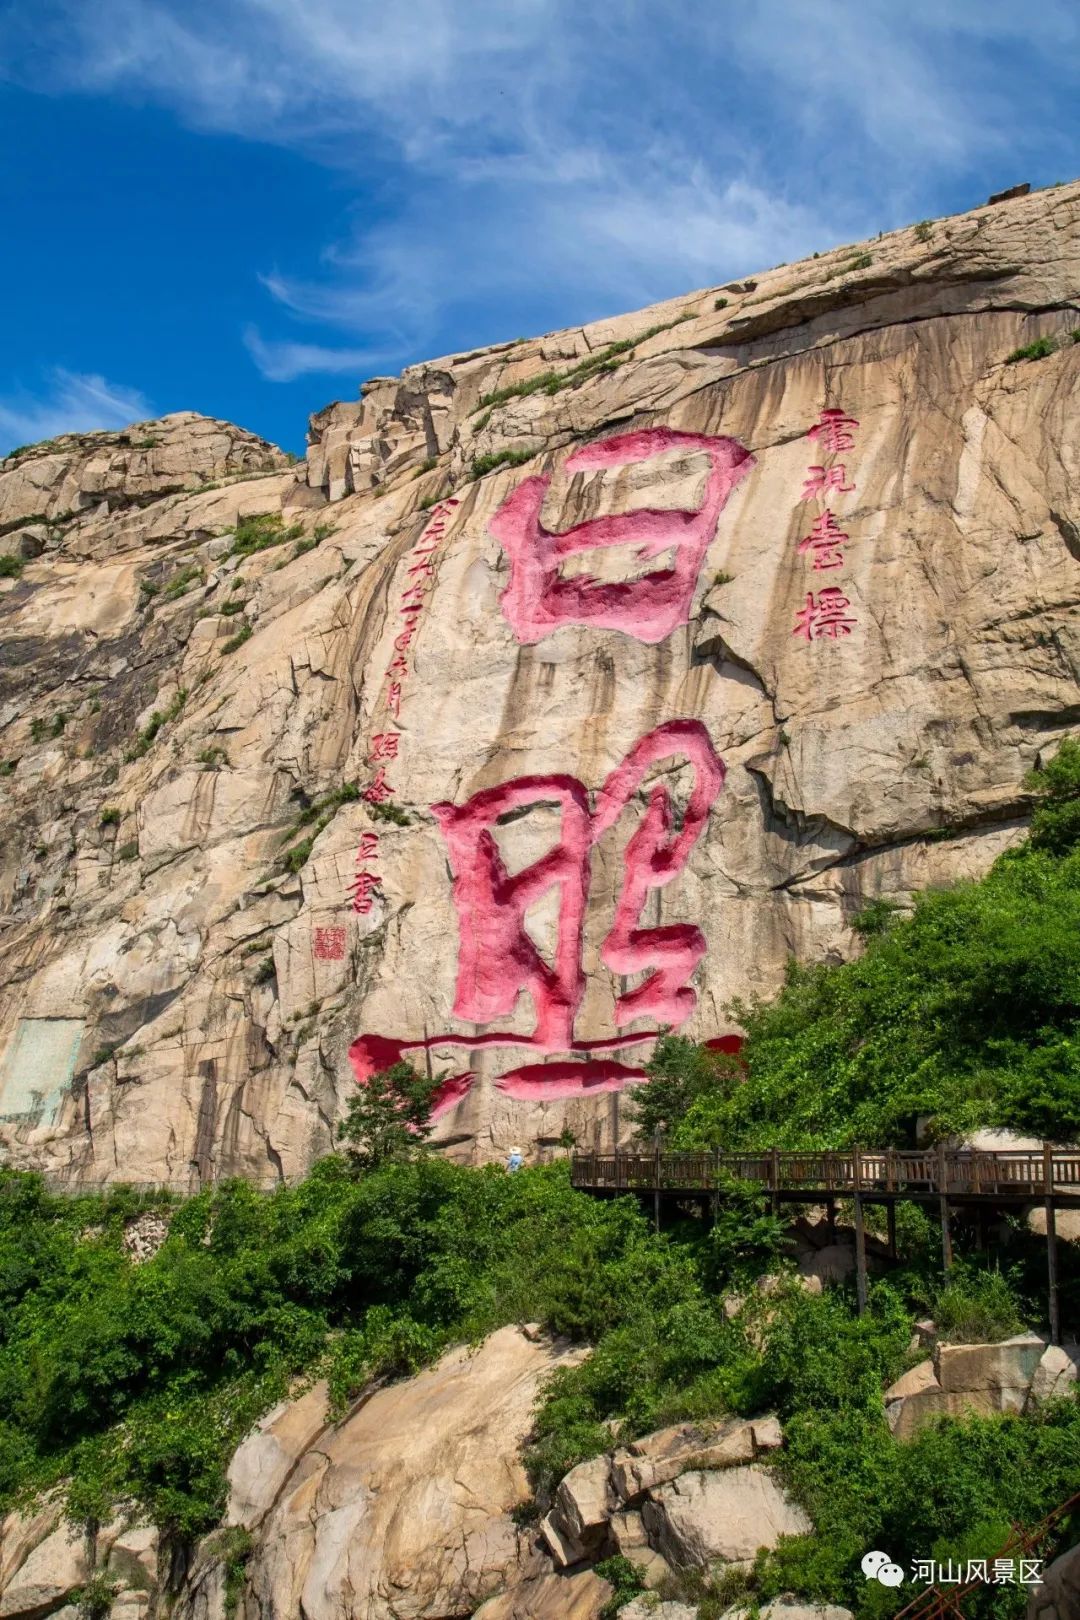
(404, 1508)
(645, 1609)
(584, 1498)
(1003, 1370)
(1058, 1597)
(788, 1607)
(631, 1541)
(550, 1597)
(264, 1460)
(1057, 1372)
(727, 1516)
(662, 1456)
(50, 1571)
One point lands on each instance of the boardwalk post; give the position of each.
(1051, 1246)
(774, 1177)
(830, 1202)
(943, 1204)
(860, 1233)
(656, 1179)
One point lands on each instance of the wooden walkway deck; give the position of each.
(946, 1177)
(1012, 1177)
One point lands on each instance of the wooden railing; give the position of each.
(1011, 1175)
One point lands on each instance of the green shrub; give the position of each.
(7, 767)
(159, 718)
(975, 1306)
(261, 531)
(720, 303)
(426, 466)
(1040, 349)
(110, 816)
(627, 1579)
(212, 756)
(550, 382)
(265, 970)
(388, 812)
(924, 230)
(180, 582)
(229, 608)
(501, 458)
(10, 567)
(245, 633)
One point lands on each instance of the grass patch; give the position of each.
(10, 567)
(316, 815)
(110, 817)
(128, 852)
(212, 756)
(924, 230)
(720, 303)
(389, 812)
(501, 458)
(1041, 349)
(550, 382)
(244, 633)
(180, 582)
(261, 531)
(229, 608)
(426, 466)
(159, 718)
(42, 730)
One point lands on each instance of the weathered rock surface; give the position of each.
(1010, 1376)
(1058, 1598)
(729, 1516)
(403, 1509)
(580, 1596)
(177, 1005)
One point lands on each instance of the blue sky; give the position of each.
(246, 207)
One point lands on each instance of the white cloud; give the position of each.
(280, 360)
(553, 160)
(73, 402)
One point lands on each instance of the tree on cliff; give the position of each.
(389, 1118)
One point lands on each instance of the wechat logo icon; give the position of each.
(878, 1566)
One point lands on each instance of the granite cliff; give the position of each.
(562, 692)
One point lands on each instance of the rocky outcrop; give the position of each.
(1058, 1597)
(726, 1516)
(1010, 1376)
(639, 1500)
(257, 787)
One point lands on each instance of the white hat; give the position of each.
(515, 1150)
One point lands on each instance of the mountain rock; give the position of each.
(563, 691)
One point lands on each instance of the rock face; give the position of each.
(403, 1510)
(1011, 1376)
(735, 613)
(700, 1517)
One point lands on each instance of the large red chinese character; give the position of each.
(834, 428)
(825, 617)
(825, 540)
(654, 855)
(384, 745)
(539, 599)
(364, 885)
(497, 960)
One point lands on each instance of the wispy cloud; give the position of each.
(539, 161)
(280, 360)
(71, 402)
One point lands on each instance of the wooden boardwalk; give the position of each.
(1009, 1179)
(965, 1176)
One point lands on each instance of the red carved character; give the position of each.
(362, 888)
(539, 598)
(824, 541)
(835, 429)
(820, 480)
(379, 789)
(369, 845)
(384, 745)
(824, 617)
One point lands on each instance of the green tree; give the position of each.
(389, 1118)
(679, 1073)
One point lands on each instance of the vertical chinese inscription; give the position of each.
(826, 615)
